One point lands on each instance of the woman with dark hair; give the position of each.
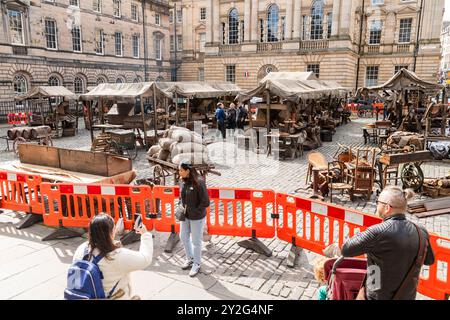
(195, 200)
(116, 262)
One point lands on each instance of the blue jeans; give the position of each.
(193, 248)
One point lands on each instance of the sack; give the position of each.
(84, 280)
(180, 213)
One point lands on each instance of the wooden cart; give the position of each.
(162, 169)
(411, 174)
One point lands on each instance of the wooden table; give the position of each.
(293, 146)
(376, 133)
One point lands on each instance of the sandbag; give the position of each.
(154, 150)
(164, 155)
(186, 147)
(185, 136)
(193, 158)
(165, 143)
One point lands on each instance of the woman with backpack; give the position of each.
(195, 200)
(115, 263)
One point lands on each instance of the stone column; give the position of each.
(288, 23)
(216, 21)
(336, 15)
(254, 21)
(345, 16)
(297, 17)
(247, 18)
(209, 31)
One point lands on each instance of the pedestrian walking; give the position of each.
(195, 200)
(220, 117)
(396, 249)
(231, 117)
(241, 116)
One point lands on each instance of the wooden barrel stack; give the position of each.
(28, 132)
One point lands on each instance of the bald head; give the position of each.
(395, 199)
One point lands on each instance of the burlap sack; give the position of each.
(164, 155)
(185, 136)
(154, 150)
(186, 147)
(193, 158)
(165, 143)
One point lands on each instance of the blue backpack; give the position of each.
(84, 280)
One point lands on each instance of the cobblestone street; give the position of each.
(229, 271)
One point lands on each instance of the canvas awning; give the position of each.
(294, 86)
(119, 90)
(403, 80)
(48, 92)
(200, 89)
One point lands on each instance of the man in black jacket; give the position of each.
(391, 247)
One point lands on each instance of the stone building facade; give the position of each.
(354, 42)
(80, 43)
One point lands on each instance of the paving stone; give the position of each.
(297, 293)
(276, 289)
(285, 292)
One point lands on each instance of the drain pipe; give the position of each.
(358, 64)
(419, 26)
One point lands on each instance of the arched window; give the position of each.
(78, 84)
(265, 70)
(53, 81)
(120, 80)
(101, 80)
(20, 84)
(137, 79)
(159, 79)
(233, 26)
(317, 20)
(272, 23)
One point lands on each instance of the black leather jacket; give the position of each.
(196, 199)
(391, 247)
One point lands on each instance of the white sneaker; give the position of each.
(195, 269)
(188, 264)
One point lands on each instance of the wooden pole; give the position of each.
(155, 115)
(176, 109)
(188, 107)
(41, 102)
(100, 110)
(166, 104)
(91, 120)
(143, 121)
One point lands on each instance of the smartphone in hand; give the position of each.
(138, 222)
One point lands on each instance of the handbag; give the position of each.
(180, 213)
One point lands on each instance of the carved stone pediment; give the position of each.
(17, 3)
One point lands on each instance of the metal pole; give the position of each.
(358, 65)
(176, 109)
(155, 116)
(188, 106)
(144, 30)
(174, 70)
(91, 120)
(268, 111)
(419, 25)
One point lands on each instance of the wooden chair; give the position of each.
(337, 179)
(362, 173)
(316, 160)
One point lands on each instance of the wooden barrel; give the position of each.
(40, 131)
(16, 132)
(26, 133)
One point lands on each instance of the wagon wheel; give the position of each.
(412, 176)
(131, 153)
(114, 148)
(46, 141)
(17, 141)
(158, 175)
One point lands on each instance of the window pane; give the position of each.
(202, 13)
(233, 27)
(314, 68)
(172, 43)
(134, 12)
(398, 68)
(116, 8)
(74, 3)
(20, 84)
(53, 81)
(231, 74)
(76, 38)
(118, 43)
(157, 19)
(405, 30)
(179, 42)
(329, 24)
(97, 5)
(375, 32)
(272, 23)
(317, 20)
(202, 42)
(371, 76)
(15, 26)
(136, 46)
(50, 34)
(99, 41)
(201, 74)
(78, 84)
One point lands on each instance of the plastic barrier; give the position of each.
(241, 212)
(435, 279)
(18, 118)
(352, 107)
(20, 192)
(314, 225)
(73, 205)
(164, 201)
(378, 107)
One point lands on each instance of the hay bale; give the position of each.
(165, 143)
(154, 150)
